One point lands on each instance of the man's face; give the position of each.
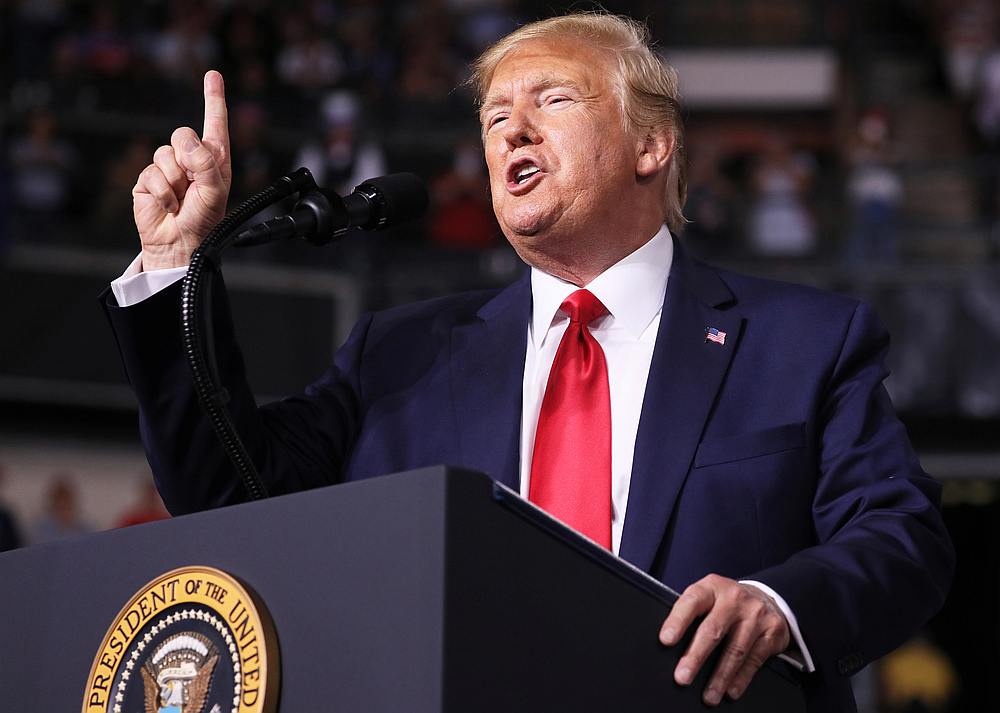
(561, 163)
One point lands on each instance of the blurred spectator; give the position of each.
(42, 166)
(308, 59)
(344, 158)
(926, 321)
(430, 71)
(10, 533)
(987, 110)
(254, 161)
(148, 508)
(102, 48)
(66, 86)
(462, 216)
(709, 205)
(252, 81)
(186, 47)
(781, 225)
(978, 387)
(61, 518)
(483, 22)
(246, 36)
(428, 74)
(38, 24)
(875, 191)
(968, 31)
(987, 117)
(369, 62)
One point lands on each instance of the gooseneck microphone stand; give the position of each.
(197, 332)
(318, 217)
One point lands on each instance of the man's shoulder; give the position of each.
(781, 312)
(761, 295)
(793, 333)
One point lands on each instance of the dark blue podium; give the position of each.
(429, 591)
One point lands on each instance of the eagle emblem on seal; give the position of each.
(177, 677)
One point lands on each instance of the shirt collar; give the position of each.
(632, 289)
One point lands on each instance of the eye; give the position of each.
(495, 119)
(556, 99)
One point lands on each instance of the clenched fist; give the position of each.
(180, 197)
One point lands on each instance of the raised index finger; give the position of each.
(216, 131)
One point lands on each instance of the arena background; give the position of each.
(852, 145)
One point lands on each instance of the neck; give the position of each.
(580, 258)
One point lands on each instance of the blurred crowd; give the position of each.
(61, 518)
(353, 89)
(969, 36)
(94, 87)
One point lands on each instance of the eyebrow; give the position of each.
(538, 84)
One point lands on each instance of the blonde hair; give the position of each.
(647, 86)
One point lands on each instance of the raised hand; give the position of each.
(180, 197)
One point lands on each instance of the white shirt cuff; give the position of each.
(134, 285)
(803, 662)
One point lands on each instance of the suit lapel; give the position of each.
(487, 373)
(684, 378)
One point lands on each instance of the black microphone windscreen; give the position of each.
(405, 195)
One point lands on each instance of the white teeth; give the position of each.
(526, 173)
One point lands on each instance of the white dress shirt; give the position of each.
(134, 285)
(632, 290)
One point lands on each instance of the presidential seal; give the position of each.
(193, 640)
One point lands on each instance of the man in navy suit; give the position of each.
(754, 460)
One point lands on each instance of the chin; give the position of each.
(522, 231)
(527, 224)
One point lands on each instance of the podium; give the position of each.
(429, 591)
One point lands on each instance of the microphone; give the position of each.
(321, 215)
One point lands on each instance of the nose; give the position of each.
(519, 129)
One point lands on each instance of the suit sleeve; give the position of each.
(296, 443)
(884, 561)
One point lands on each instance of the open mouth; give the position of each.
(521, 174)
(525, 173)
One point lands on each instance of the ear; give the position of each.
(654, 153)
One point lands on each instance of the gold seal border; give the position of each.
(242, 610)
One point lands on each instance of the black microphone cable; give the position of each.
(319, 216)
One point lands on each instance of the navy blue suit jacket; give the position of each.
(776, 456)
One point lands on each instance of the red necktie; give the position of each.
(571, 465)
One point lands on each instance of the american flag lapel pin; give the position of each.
(714, 335)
